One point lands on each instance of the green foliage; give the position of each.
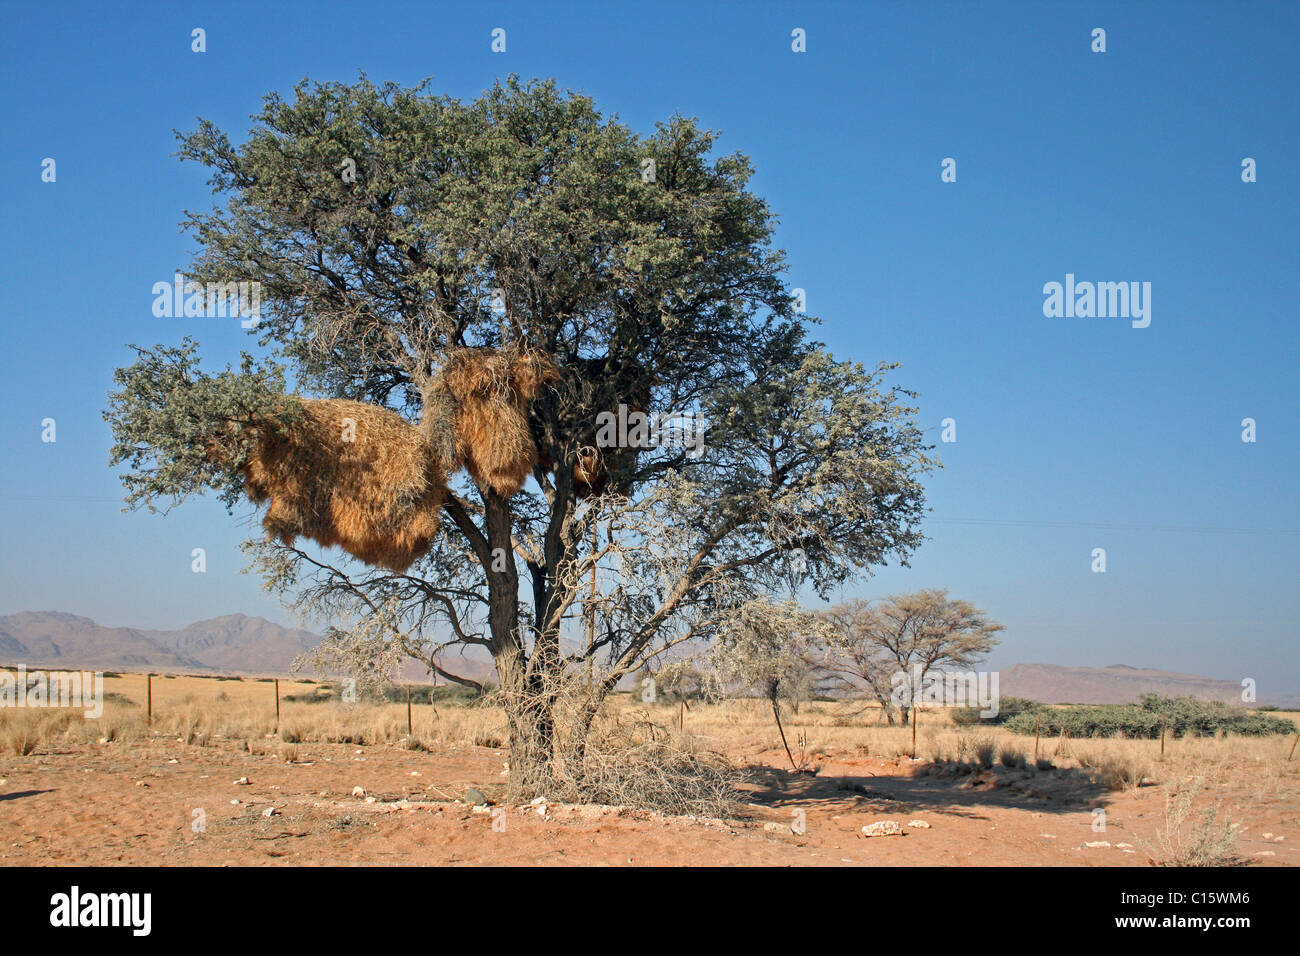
(1008, 707)
(1181, 716)
(181, 431)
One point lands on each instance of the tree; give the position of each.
(771, 647)
(891, 646)
(642, 267)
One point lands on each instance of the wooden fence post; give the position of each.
(410, 728)
(277, 705)
(148, 683)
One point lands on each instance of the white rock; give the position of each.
(270, 812)
(884, 828)
(1096, 843)
(919, 824)
(358, 791)
(241, 782)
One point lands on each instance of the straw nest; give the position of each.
(484, 395)
(363, 478)
(350, 474)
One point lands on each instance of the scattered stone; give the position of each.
(173, 760)
(234, 803)
(372, 799)
(270, 812)
(1093, 844)
(919, 824)
(778, 827)
(884, 828)
(1265, 853)
(474, 797)
(480, 808)
(358, 791)
(141, 783)
(241, 782)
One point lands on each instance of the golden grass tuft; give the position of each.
(485, 393)
(350, 474)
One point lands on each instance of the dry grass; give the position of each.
(636, 746)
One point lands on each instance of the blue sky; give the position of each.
(1072, 434)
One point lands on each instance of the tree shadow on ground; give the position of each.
(1056, 791)
(19, 794)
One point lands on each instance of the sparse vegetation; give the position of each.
(1191, 838)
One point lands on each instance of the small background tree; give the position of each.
(901, 639)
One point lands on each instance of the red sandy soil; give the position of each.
(134, 803)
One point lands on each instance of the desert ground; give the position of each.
(214, 781)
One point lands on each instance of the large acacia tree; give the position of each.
(642, 265)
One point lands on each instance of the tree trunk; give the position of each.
(532, 749)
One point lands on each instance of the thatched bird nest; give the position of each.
(349, 474)
(484, 394)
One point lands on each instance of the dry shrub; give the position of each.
(1116, 768)
(24, 731)
(485, 394)
(623, 766)
(350, 474)
(1207, 841)
(21, 733)
(1011, 757)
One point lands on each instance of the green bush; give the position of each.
(1181, 716)
(1008, 707)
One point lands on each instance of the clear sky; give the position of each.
(1072, 433)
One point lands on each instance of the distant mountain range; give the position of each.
(239, 644)
(1120, 684)
(232, 644)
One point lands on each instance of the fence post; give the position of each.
(1038, 724)
(1163, 720)
(915, 711)
(277, 705)
(148, 683)
(410, 729)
